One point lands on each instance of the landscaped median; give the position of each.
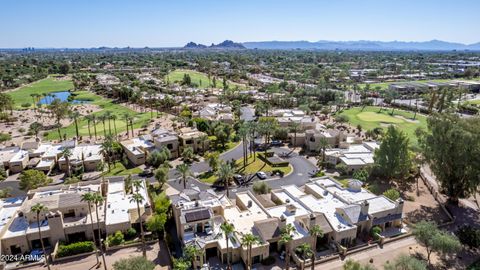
(254, 165)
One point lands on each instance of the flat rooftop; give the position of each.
(118, 203)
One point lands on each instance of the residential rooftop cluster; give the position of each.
(345, 215)
(67, 218)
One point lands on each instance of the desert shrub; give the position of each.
(261, 188)
(5, 137)
(137, 263)
(75, 248)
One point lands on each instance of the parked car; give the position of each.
(238, 178)
(146, 173)
(261, 175)
(276, 143)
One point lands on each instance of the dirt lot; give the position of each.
(423, 207)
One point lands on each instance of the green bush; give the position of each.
(5, 137)
(375, 232)
(261, 188)
(342, 169)
(130, 233)
(116, 239)
(75, 248)
(392, 194)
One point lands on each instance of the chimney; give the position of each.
(364, 207)
(313, 219)
(283, 222)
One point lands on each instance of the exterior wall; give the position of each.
(20, 241)
(16, 167)
(173, 149)
(136, 159)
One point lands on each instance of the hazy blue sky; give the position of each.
(139, 23)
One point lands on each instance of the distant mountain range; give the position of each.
(227, 44)
(362, 45)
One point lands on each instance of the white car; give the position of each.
(262, 175)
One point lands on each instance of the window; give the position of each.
(169, 146)
(189, 141)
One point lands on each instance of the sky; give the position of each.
(171, 23)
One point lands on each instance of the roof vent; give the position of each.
(250, 203)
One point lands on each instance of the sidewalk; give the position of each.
(155, 252)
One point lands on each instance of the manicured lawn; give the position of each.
(258, 165)
(474, 102)
(199, 78)
(378, 117)
(372, 117)
(119, 169)
(40, 87)
(208, 177)
(106, 105)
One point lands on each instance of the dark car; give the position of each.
(146, 173)
(276, 143)
(238, 178)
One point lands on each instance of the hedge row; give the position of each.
(75, 248)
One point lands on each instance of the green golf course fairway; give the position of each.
(106, 105)
(45, 86)
(378, 117)
(372, 117)
(199, 78)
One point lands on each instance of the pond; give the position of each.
(63, 96)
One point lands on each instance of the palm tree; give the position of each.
(106, 150)
(188, 155)
(322, 147)
(130, 119)
(102, 119)
(248, 240)
(225, 173)
(138, 198)
(39, 208)
(94, 119)
(114, 119)
(125, 116)
(108, 117)
(67, 153)
(191, 251)
(285, 238)
(315, 231)
(294, 128)
(74, 116)
(184, 171)
(252, 127)
(89, 121)
(99, 200)
(203, 140)
(88, 198)
(243, 132)
(228, 230)
(306, 251)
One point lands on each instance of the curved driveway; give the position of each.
(301, 173)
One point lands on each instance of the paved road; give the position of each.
(302, 170)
